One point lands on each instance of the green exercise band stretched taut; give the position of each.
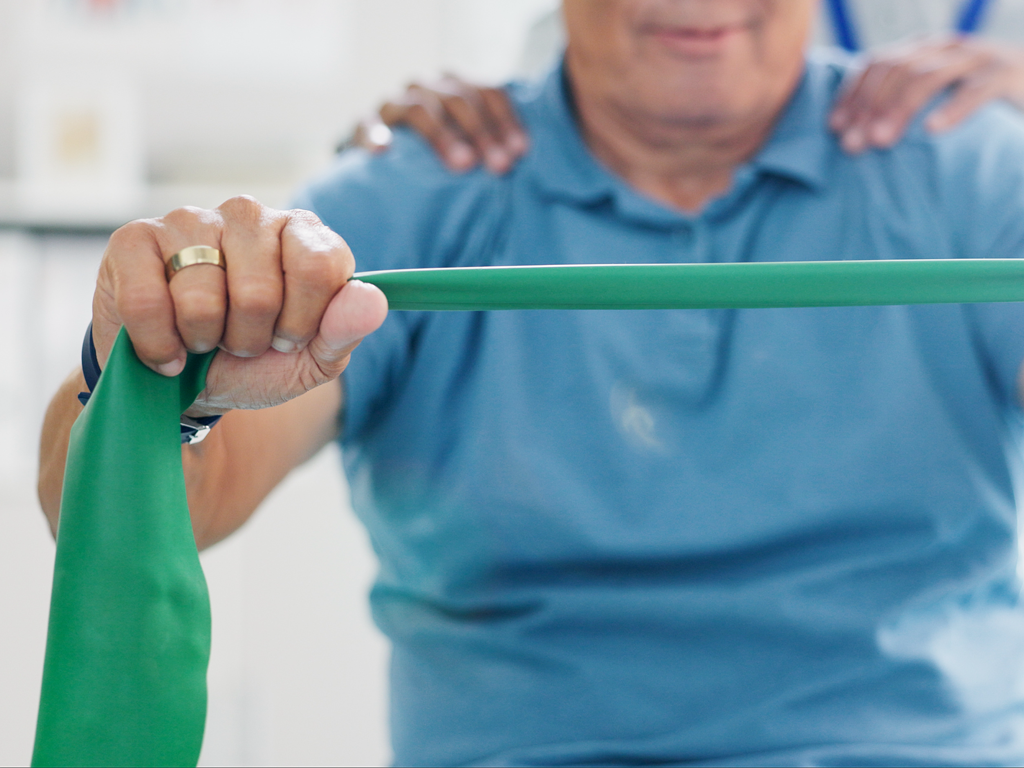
(704, 286)
(124, 681)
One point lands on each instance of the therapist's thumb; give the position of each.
(356, 311)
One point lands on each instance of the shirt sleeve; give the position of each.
(981, 185)
(400, 210)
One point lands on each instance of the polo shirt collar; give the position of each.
(801, 144)
(798, 149)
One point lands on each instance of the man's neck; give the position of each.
(681, 165)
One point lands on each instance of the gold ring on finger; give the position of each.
(189, 257)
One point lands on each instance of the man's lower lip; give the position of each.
(696, 42)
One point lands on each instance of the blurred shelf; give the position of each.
(157, 200)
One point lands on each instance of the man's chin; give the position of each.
(698, 116)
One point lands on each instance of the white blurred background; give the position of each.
(110, 110)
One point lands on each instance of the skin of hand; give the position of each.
(283, 313)
(897, 83)
(286, 318)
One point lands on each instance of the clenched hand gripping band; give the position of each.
(124, 681)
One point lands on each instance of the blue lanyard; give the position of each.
(968, 20)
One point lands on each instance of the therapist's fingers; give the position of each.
(486, 119)
(878, 66)
(503, 115)
(913, 85)
(422, 110)
(468, 114)
(970, 95)
(1001, 77)
(889, 86)
(847, 118)
(897, 84)
(466, 124)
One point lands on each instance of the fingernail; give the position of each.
(497, 159)
(935, 122)
(883, 132)
(283, 345)
(517, 143)
(853, 140)
(461, 156)
(172, 368)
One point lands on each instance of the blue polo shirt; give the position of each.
(715, 537)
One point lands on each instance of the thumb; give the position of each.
(357, 310)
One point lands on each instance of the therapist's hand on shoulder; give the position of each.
(465, 123)
(283, 311)
(469, 124)
(897, 83)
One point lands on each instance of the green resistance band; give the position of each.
(124, 677)
(124, 680)
(704, 286)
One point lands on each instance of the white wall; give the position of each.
(255, 89)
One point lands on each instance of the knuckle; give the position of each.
(919, 69)
(187, 216)
(141, 302)
(320, 266)
(198, 307)
(455, 101)
(243, 208)
(303, 217)
(415, 93)
(343, 259)
(131, 235)
(879, 69)
(417, 111)
(256, 298)
(465, 91)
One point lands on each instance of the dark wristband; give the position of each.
(192, 430)
(90, 365)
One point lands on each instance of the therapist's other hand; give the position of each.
(466, 124)
(896, 84)
(283, 311)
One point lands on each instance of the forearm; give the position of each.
(248, 453)
(53, 445)
(228, 474)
